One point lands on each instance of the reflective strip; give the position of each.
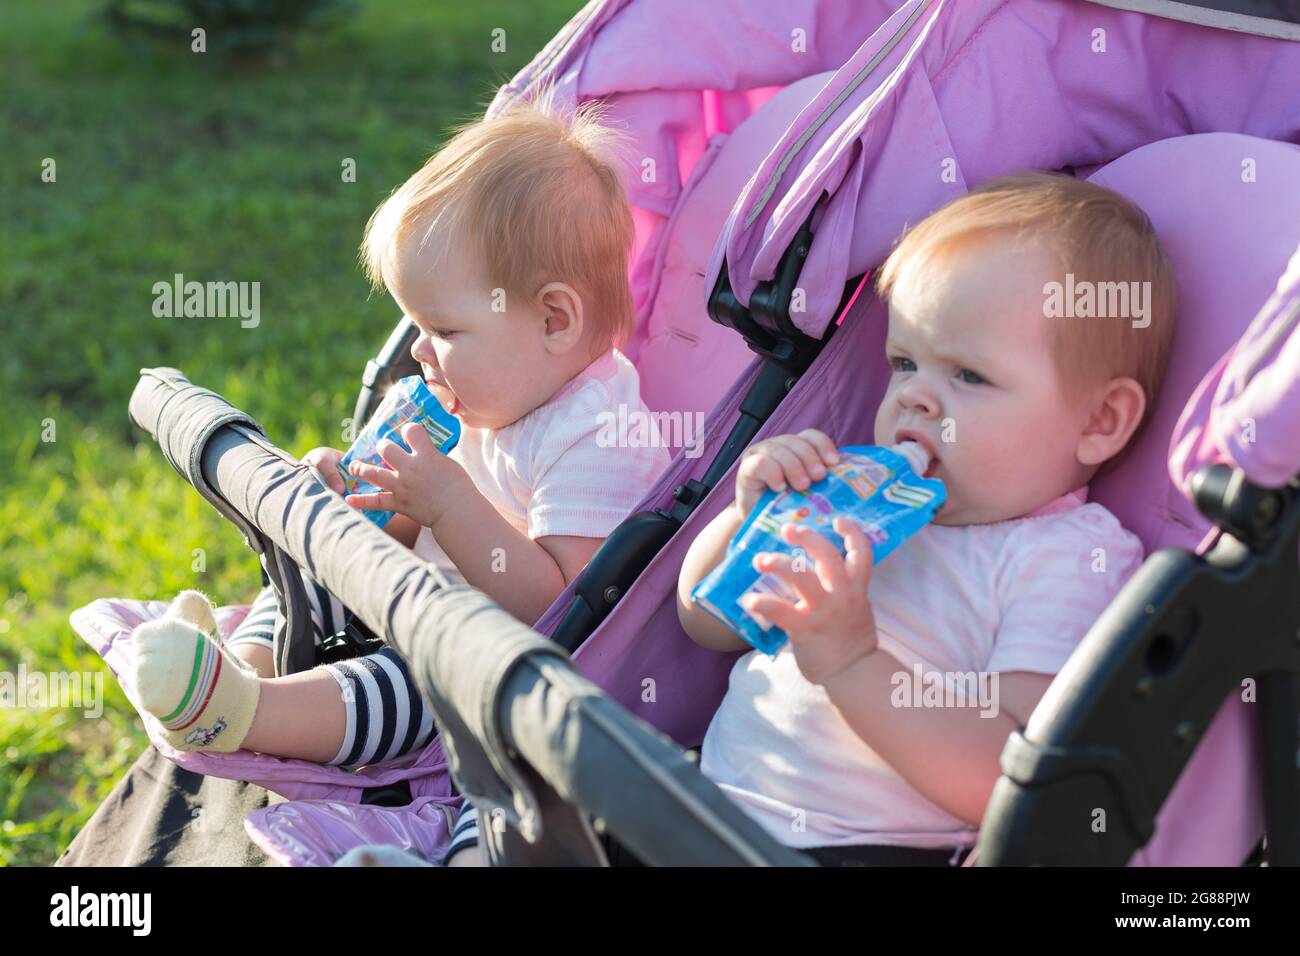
(1280, 332)
(1208, 17)
(835, 104)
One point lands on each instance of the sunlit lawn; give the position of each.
(172, 162)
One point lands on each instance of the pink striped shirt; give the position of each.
(564, 469)
(1015, 595)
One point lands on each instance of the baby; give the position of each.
(509, 251)
(824, 744)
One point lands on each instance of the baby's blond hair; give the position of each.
(1097, 235)
(535, 194)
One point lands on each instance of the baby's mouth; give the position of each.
(907, 435)
(451, 402)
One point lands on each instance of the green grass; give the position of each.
(168, 162)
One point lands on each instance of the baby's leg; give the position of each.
(465, 848)
(384, 716)
(466, 856)
(352, 713)
(253, 642)
(300, 715)
(260, 659)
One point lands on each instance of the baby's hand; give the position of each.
(325, 461)
(423, 484)
(832, 626)
(797, 460)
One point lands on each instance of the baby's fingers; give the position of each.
(799, 469)
(858, 557)
(373, 501)
(813, 451)
(806, 585)
(417, 438)
(330, 475)
(781, 613)
(761, 470)
(826, 558)
(822, 444)
(380, 477)
(393, 454)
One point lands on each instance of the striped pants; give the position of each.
(386, 717)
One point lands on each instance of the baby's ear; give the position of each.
(1116, 414)
(563, 312)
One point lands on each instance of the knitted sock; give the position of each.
(202, 695)
(193, 606)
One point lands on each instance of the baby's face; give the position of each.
(973, 381)
(481, 354)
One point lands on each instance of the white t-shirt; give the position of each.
(561, 469)
(1016, 595)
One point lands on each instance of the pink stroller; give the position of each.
(787, 144)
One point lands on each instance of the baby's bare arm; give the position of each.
(524, 576)
(773, 463)
(705, 553)
(402, 530)
(952, 755)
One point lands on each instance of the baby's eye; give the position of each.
(900, 364)
(969, 377)
(442, 333)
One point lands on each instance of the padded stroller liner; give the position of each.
(946, 95)
(204, 810)
(160, 814)
(107, 625)
(311, 832)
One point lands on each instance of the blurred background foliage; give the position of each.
(253, 28)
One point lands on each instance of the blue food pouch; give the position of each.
(407, 400)
(877, 488)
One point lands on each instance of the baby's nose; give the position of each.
(422, 351)
(919, 398)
